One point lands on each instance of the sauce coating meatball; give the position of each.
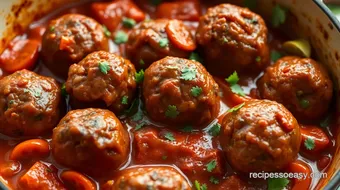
(149, 177)
(232, 39)
(260, 136)
(180, 91)
(29, 104)
(102, 77)
(156, 39)
(68, 39)
(301, 84)
(90, 140)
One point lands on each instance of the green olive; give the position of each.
(298, 47)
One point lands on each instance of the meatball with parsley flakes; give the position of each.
(260, 135)
(232, 38)
(29, 104)
(180, 91)
(302, 85)
(156, 39)
(102, 79)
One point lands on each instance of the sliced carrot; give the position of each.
(10, 168)
(20, 54)
(230, 98)
(66, 42)
(34, 148)
(180, 36)
(321, 140)
(77, 181)
(36, 33)
(301, 168)
(188, 11)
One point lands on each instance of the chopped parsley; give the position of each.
(125, 100)
(215, 129)
(325, 122)
(278, 16)
(138, 116)
(275, 55)
(141, 62)
(63, 90)
(104, 67)
(139, 126)
(277, 183)
(11, 102)
(187, 129)
(169, 136)
(233, 78)
(236, 108)
(214, 180)
(139, 76)
(188, 73)
(195, 57)
(163, 42)
(304, 103)
(258, 59)
(196, 91)
(309, 143)
(211, 165)
(164, 157)
(129, 22)
(251, 4)
(171, 112)
(106, 31)
(52, 28)
(198, 186)
(121, 37)
(237, 89)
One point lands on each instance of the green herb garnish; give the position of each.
(163, 42)
(196, 91)
(215, 130)
(139, 126)
(233, 78)
(198, 186)
(129, 22)
(141, 62)
(139, 76)
(106, 31)
(187, 129)
(214, 180)
(188, 73)
(211, 165)
(277, 183)
(275, 55)
(278, 16)
(63, 90)
(104, 67)
(121, 37)
(171, 112)
(195, 57)
(164, 157)
(169, 136)
(309, 143)
(304, 103)
(125, 100)
(236, 108)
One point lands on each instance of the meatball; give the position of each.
(231, 39)
(260, 135)
(68, 39)
(102, 77)
(90, 140)
(301, 84)
(29, 104)
(149, 177)
(156, 39)
(180, 91)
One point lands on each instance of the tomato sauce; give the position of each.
(197, 145)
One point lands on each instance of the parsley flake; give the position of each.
(171, 112)
(214, 180)
(139, 126)
(121, 37)
(52, 28)
(215, 130)
(106, 31)
(236, 108)
(258, 59)
(104, 67)
(164, 157)
(129, 22)
(277, 183)
(169, 136)
(63, 90)
(141, 62)
(198, 186)
(237, 89)
(163, 42)
(139, 76)
(309, 143)
(188, 73)
(196, 91)
(275, 55)
(138, 116)
(304, 103)
(195, 57)
(233, 78)
(211, 165)
(187, 129)
(125, 100)
(278, 16)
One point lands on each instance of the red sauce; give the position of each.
(207, 146)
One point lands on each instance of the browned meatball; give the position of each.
(149, 177)
(68, 39)
(180, 91)
(232, 39)
(301, 84)
(90, 140)
(260, 136)
(29, 104)
(102, 77)
(156, 39)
